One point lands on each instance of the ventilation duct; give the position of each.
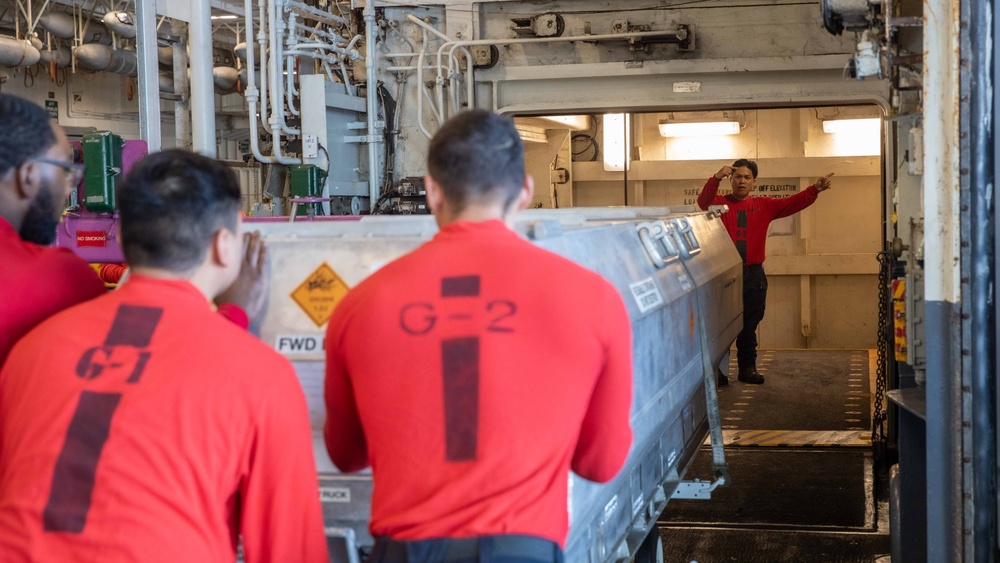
(105, 59)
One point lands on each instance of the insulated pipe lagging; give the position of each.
(251, 89)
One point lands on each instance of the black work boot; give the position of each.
(749, 375)
(721, 378)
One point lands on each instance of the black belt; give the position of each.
(752, 267)
(464, 549)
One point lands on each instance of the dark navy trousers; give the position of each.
(754, 301)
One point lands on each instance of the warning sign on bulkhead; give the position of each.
(319, 294)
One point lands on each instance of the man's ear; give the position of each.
(435, 198)
(527, 193)
(222, 254)
(28, 181)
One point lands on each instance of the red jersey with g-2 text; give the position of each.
(142, 426)
(472, 375)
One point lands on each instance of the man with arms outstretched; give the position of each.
(747, 222)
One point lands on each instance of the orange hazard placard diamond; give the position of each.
(319, 294)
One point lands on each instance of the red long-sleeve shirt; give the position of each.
(747, 220)
(142, 426)
(37, 282)
(472, 374)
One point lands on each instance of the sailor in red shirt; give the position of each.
(475, 372)
(141, 425)
(747, 222)
(37, 173)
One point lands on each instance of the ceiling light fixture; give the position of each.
(867, 125)
(616, 134)
(701, 129)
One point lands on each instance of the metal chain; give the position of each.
(883, 347)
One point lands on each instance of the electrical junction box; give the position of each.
(102, 155)
(306, 181)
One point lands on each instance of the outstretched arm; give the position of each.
(711, 187)
(798, 202)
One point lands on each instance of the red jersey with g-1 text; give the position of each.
(472, 375)
(747, 220)
(142, 426)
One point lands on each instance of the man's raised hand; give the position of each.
(824, 183)
(724, 172)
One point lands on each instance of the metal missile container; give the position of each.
(679, 276)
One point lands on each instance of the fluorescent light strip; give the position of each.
(616, 157)
(703, 129)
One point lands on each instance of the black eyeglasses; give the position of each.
(74, 170)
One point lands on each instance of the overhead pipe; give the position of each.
(150, 120)
(102, 58)
(271, 74)
(202, 84)
(276, 119)
(343, 52)
(470, 86)
(182, 117)
(60, 56)
(290, 91)
(278, 94)
(421, 91)
(329, 71)
(319, 32)
(439, 83)
(347, 81)
(251, 88)
(370, 93)
(265, 57)
(315, 14)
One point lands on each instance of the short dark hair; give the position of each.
(26, 131)
(749, 164)
(475, 156)
(171, 204)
